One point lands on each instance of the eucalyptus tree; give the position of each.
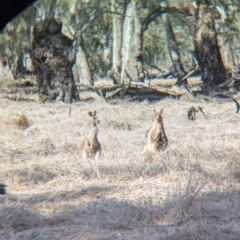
(15, 41)
(81, 66)
(206, 45)
(228, 30)
(173, 47)
(138, 16)
(118, 9)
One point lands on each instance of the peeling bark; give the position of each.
(132, 59)
(53, 69)
(82, 67)
(117, 42)
(206, 46)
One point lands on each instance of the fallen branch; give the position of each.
(162, 90)
(113, 93)
(193, 71)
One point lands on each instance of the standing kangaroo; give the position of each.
(91, 148)
(156, 137)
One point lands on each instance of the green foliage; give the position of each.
(155, 44)
(15, 39)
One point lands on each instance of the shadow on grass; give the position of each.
(94, 191)
(212, 215)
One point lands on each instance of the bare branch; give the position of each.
(190, 73)
(160, 10)
(88, 22)
(83, 27)
(154, 66)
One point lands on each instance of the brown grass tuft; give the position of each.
(21, 121)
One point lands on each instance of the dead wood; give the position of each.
(225, 94)
(155, 67)
(136, 88)
(173, 92)
(50, 60)
(190, 72)
(230, 84)
(113, 93)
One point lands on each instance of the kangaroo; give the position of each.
(192, 113)
(156, 137)
(91, 147)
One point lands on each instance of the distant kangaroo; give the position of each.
(91, 148)
(156, 137)
(192, 113)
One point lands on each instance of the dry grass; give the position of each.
(190, 191)
(21, 121)
(14, 119)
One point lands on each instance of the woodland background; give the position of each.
(125, 42)
(179, 54)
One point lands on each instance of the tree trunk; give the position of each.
(117, 42)
(206, 46)
(81, 69)
(132, 59)
(173, 49)
(53, 69)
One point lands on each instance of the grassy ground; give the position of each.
(190, 191)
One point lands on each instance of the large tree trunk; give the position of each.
(117, 41)
(54, 71)
(173, 49)
(81, 69)
(132, 59)
(206, 46)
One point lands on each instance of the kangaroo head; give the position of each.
(193, 110)
(92, 114)
(158, 115)
(94, 120)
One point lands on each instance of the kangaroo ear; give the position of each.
(90, 113)
(94, 113)
(161, 111)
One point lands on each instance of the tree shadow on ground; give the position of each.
(212, 215)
